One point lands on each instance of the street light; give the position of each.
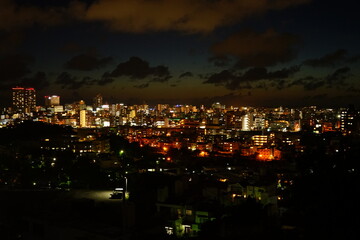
(126, 196)
(121, 152)
(125, 184)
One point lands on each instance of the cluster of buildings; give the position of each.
(218, 116)
(186, 201)
(223, 130)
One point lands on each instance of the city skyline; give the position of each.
(100, 114)
(241, 53)
(99, 102)
(179, 119)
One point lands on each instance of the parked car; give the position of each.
(118, 193)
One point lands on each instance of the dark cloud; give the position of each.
(333, 59)
(186, 74)
(279, 84)
(329, 60)
(313, 85)
(14, 67)
(232, 80)
(276, 79)
(104, 81)
(67, 81)
(284, 73)
(141, 86)
(179, 15)
(309, 83)
(136, 68)
(255, 74)
(224, 78)
(220, 60)
(138, 15)
(161, 79)
(38, 81)
(336, 79)
(14, 15)
(203, 76)
(252, 49)
(160, 74)
(339, 76)
(87, 62)
(261, 85)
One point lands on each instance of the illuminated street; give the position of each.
(96, 195)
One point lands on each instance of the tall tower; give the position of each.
(24, 99)
(83, 118)
(98, 101)
(51, 101)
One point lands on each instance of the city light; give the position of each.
(160, 119)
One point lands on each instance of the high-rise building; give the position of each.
(24, 99)
(247, 121)
(98, 101)
(51, 101)
(83, 118)
(348, 120)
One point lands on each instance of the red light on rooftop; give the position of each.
(21, 88)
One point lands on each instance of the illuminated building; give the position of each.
(82, 105)
(279, 125)
(51, 101)
(297, 126)
(161, 107)
(327, 127)
(58, 109)
(259, 123)
(24, 99)
(132, 114)
(260, 140)
(83, 118)
(231, 146)
(185, 109)
(185, 220)
(348, 120)
(268, 154)
(246, 122)
(98, 101)
(217, 106)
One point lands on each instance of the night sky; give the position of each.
(238, 52)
